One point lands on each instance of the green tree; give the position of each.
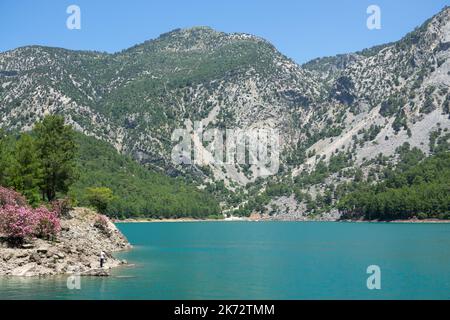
(57, 150)
(6, 158)
(3, 158)
(26, 171)
(100, 198)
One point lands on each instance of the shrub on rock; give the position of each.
(47, 223)
(17, 223)
(11, 198)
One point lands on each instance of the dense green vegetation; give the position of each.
(54, 161)
(40, 164)
(415, 188)
(138, 192)
(100, 198)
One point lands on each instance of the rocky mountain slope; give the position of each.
(346, 109)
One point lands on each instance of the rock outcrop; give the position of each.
(75, 251)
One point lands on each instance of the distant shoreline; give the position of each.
(417, 221)
(191, 220)
(175, 220)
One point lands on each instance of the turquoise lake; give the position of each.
(273, 260)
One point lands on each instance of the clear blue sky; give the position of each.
(301, 29)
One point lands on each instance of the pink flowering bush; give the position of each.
(11, 198)
(47, 224)
(17, 223)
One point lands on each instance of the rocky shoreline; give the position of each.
(75, 251)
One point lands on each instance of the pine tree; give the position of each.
(6, 159)
(2, 158)
(26, 170)
(57, 149)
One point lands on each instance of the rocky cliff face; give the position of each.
(361, 104)
(76, 250)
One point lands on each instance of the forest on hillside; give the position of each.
(53, 161)
(420, 191)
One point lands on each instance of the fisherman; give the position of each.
(102, 258)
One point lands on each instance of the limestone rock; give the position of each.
(76, 251)
(95, 273)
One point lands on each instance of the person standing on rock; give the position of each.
(102, 259)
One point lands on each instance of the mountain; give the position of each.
(335, 115)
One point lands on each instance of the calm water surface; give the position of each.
(274, 260)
